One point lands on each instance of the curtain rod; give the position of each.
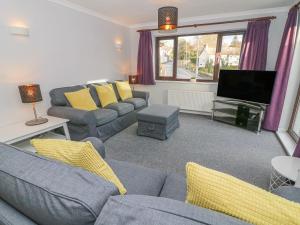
(218, 23)
(297, 5)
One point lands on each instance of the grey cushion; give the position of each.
(162, 114)
(121, 107)
(58, 97)
(288, 192)
(146, 210)
(49, 192)
(94, 94)
(10, 216)
(174, 187)
(104, 116)
(137, 102)
(138, 180)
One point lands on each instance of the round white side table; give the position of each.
(285, 171)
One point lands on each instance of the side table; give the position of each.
(19, 135)
(285, 171)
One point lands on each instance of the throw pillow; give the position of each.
(106, 94)
(124, 90)
(214, 190)
(81, 99)
(77, 154)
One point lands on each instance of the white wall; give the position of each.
(65, 47)
(158, 93)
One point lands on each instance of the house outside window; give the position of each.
(201, 56)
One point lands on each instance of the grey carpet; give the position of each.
(226, 148)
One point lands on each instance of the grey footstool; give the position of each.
(158, 121)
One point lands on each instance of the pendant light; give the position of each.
(167, 18)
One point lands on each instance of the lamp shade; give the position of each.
(167, 18)
(30, 93)
(133, 79)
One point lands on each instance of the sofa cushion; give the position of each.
(10, 216)
(137, 102)
(58, 97)
(162, 114)
(224, 193)
(174, 187)
(97, 144)
(78, 154)
(81, 100)
(106, 94)
(49, 192)
(115, 89)
(104, 116)
(288, 192)
(121, 108)
(138, 180)
(147, 210)
(124, 89)
(94, 93)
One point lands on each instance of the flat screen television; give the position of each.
(247, 85)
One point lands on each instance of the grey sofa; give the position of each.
(103, 122)
(38, 191)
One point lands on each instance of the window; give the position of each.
(294, 128)
(200, 56)
(166, 57)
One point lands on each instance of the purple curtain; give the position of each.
(255, 48)
(283, 67)
(145, 59)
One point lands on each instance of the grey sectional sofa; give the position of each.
(38, 191)
(103, 122)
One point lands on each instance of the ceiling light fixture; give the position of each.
(167, 18)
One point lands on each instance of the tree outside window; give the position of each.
(200, 56)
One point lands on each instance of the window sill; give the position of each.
(287, 142)
(187, 82)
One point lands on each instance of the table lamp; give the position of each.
(133, 80)
(31, 94)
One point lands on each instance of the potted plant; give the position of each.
(193, 79)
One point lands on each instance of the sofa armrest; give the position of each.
(289, 192)
(76, 116)
(141, 94)
(98, 145)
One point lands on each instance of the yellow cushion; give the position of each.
(106, 94)
(221, 192)
(81, 99)
(78, 154)
(124, 89)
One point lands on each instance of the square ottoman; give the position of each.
(158, 121)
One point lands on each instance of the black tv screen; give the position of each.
(253, 86)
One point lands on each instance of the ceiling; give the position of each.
(131, 12)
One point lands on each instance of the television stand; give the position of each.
(242, 114)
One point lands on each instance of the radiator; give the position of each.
(194, 101)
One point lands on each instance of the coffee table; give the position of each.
(285, 170)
